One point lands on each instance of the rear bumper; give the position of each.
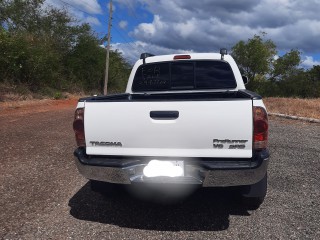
(208, 172)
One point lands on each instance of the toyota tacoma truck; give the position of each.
(184, 119)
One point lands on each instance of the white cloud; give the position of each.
(123, 24)
(92, 21)
(208, 25)
(132, 51)
(197, 34)
(89, 6)
(309, 62)
(79, 9)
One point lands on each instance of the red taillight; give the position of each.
(260, 132)
(78, 127)
(178, 57)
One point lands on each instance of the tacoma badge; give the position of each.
(106, 144)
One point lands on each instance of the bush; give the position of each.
(47, 51)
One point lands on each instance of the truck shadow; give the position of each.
(204, 210)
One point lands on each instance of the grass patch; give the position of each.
(13, 93)
(294, 106)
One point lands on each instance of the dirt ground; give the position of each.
(35, 106)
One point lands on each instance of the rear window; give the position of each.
(183, 75)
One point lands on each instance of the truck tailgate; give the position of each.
(221, 129)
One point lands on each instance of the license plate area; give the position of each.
(156, 168)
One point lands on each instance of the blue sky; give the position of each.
(163, 27)
(125, 18)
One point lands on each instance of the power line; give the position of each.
(125, 39)
(122, 36)
(133, 11)
(75, 7)
(92, 15)
(123, 30)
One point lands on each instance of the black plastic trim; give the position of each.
(112, 97)
(181, 96)
(206, 163)
(248, 93)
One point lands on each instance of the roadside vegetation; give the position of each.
(309, 108)
(45, 52)
(271, 75)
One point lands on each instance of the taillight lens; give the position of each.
(78, 127)
(260, 132)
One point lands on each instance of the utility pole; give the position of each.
(108, 50)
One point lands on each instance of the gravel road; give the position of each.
(42, 196)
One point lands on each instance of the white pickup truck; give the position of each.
(184, 119)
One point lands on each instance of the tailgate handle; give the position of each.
(164, 115)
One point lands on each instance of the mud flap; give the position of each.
(257, 190)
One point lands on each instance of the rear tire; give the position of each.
(253, 195)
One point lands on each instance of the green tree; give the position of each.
(21, 15)
(254, 57)
(46, 50)
(271, 76)
(313, 75)
(285, 66)
(119, 72)
(85, 63)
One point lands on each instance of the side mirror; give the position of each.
(245, 80)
